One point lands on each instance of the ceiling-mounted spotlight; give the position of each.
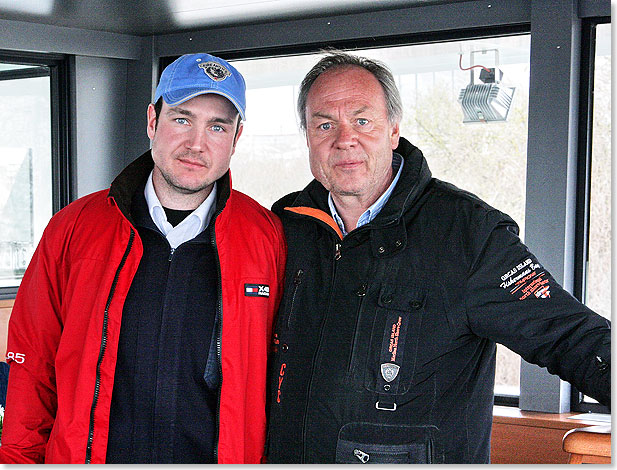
(488, 101)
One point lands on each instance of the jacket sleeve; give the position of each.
(513, 300)
(34, 334)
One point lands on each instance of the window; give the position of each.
(593, 284)
(598, 282)
(29, 145)
(488, 159)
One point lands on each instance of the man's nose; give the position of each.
(196, 140)
(346, 136)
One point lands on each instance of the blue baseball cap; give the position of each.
(196, 74)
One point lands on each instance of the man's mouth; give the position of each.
(195, 164)
(349, 164)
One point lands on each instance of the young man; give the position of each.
(141, 328)
(397, 288)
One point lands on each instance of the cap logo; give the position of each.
(215, 71)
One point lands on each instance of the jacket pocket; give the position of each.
(212, 375)
(385, 444)
(288, 319)
(394, 339)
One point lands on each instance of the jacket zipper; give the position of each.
(297, 281)
(97, 382)
(364, 457)
(337, 256)
(361, 292)
(219, 335)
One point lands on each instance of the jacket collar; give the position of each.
(414, 179)
(131, 179)
(392, 235)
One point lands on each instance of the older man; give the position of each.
(398, 286)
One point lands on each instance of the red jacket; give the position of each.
(65, 325)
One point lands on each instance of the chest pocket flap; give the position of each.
(404, 298)
(394, 339)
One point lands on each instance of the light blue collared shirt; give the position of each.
(190, 227)
(368, 215)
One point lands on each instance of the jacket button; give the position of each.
(386, 298)
(284, 347)
(415, 304)
(381, 249)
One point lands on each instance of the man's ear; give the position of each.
(151, 115)
(395, 135)
(238, 134)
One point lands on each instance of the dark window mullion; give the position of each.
(62, 182)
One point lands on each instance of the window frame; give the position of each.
(56, 66)
(583, 191)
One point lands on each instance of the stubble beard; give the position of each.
(177, 186)
(173, 183)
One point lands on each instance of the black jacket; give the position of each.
(385, 341)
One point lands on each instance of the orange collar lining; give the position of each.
(317, 214)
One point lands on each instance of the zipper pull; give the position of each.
(361, 292)
(337, 254)
(298, 277)
(362, 456)
(602, 365)
(171, 254)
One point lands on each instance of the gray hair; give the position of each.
(337, 59)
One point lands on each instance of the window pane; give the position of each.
(25, 171)
(598, 283)
(488, 159)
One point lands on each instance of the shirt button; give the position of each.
(386, 298)
(284, 347)
(415, 304)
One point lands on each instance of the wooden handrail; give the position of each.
(589, 445)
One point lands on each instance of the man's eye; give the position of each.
(217, 128)
(326, 126)
(362, 121)
(181, 121)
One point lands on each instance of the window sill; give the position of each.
(529, 437)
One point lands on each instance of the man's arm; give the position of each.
(34, 334)
(513, 300)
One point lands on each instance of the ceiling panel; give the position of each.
(148, 17)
